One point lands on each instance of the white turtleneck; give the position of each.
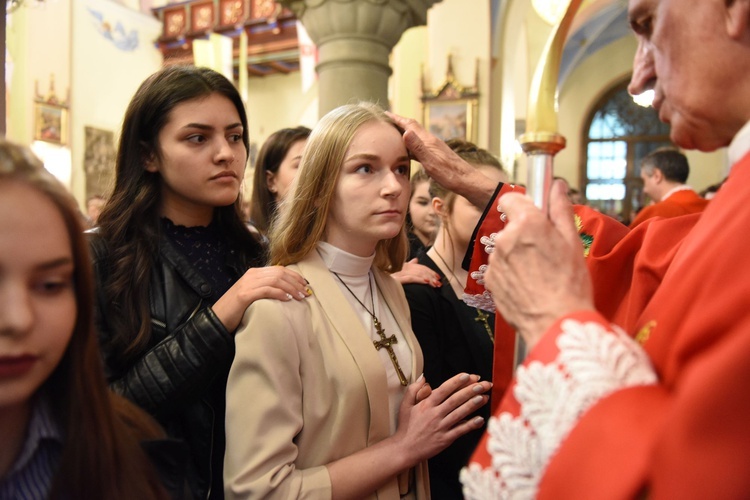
(355, 271)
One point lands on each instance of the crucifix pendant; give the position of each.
(482, 317)
(388, 342)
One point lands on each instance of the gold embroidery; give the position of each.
(586, 239)
(645, 332)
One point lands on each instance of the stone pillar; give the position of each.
(354, 40)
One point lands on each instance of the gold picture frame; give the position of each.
(50, 123)
(451, 110)
(452, 118)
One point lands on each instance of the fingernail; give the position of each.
(477, 399)
(478, 420)
(464, 377)
(301, 295)
(288, 296)
(308, 291)
(478, 388)
(421, 377)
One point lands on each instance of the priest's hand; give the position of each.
(444, 165)
(537, 271)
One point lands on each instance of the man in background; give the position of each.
(664, 173)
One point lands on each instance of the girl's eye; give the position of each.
(402, 170)
(53, 286)
(365, 169)
(235, 138)
(197, 139)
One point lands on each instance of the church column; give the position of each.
(354, 40)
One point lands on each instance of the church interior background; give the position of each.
(462, 67)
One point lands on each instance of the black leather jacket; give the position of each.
(180, 377)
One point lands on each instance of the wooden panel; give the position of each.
(175, 22)
(202, 16)
(263, 9)
(231, 12)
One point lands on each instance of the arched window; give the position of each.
(619, 134)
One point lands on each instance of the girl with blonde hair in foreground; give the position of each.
(323, 398)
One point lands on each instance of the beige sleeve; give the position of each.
(264, 407)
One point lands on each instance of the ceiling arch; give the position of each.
(596, 26)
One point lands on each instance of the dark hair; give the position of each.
(101, 455)
(129, 222)
(713, 188)
(673, 164)
(419, 177)
(272, 153)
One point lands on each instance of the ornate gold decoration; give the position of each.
(450, 110)
(644, 333)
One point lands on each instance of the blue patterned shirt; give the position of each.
(30, 477)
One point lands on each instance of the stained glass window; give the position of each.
(619, 135)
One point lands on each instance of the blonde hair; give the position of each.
(302, 217)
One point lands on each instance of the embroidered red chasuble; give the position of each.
(591, 413)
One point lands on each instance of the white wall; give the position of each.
(38, 46)
(105, 74)
(276, 102)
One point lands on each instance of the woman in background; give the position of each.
(322, 398)
(421, 222)
(176, 265)
(63, 434)
(275, 170)
(454, 337)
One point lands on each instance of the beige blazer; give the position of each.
(306, 388)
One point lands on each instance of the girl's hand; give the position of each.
(429, 424)
(413, 272)
(274, 282)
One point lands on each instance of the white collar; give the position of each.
(740, 145)
(681, 187)
(344, 263)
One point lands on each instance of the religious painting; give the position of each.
(50, 123)
(451, 119)
(99, 161)
(450, 111)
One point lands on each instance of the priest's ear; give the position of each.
(657, 175)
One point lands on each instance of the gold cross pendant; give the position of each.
(482, 317)
(388, 342)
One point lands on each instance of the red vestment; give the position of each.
(681, 287)
(681, 202)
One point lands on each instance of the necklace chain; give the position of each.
(447, 267)
(482, 316)
(372, 298)
(384, 342)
